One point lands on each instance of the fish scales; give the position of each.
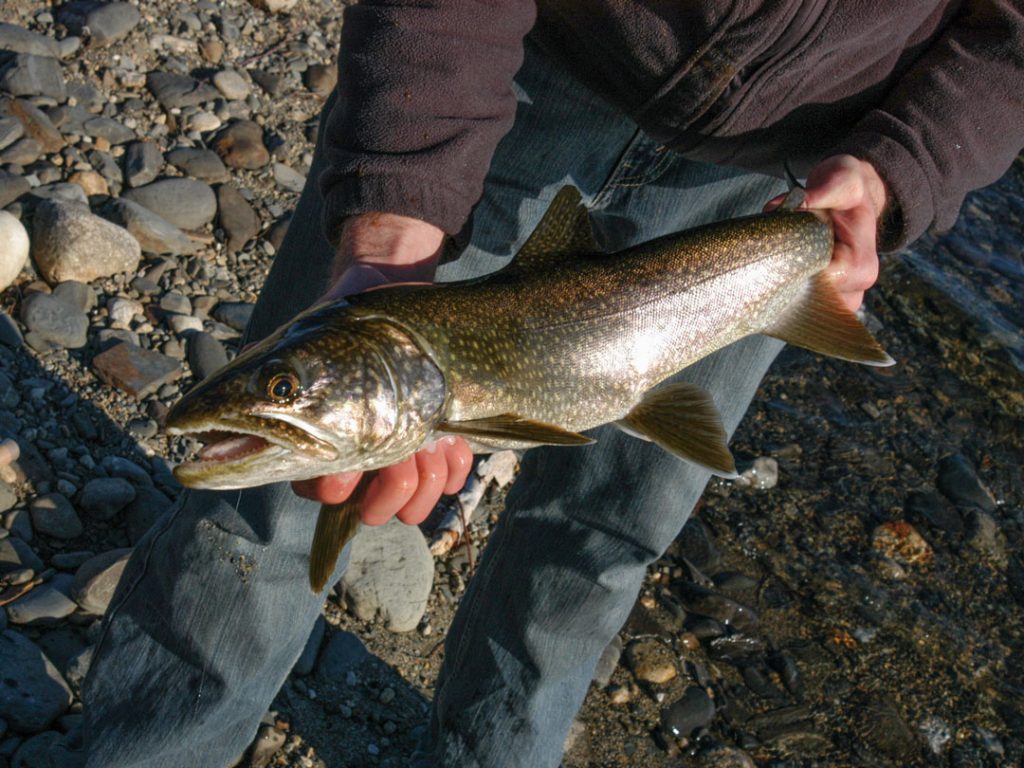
(604, 329)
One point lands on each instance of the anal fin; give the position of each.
(509, 426)
(336, 524)
(682, 419)
(820, 322)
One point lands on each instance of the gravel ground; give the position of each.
(854, 600)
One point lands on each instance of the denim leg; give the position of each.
(565, 563)
(214, 606)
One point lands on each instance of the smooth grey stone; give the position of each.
(33, 693)
(11, 130)
(16, 554)
(389, 575)
(20, 40)
(118, 466)
(109, 129)
(11, 188)
(186, 203)
(206, 355)
(176, 302)
(71, 561)
(69, 45)
(29, 75)
(24, 151)
(234, 313)
(309, 654)
(62, 192)
(19, 523)
(54, 320)
(45, 605)
(236, 217)
(110, 22)
(270, 82)
(76, 293)
(201, 164)
(14, 245)
(96, 580)
(154, 233)
(144, 511)
(71, 243)
(231, 84)
(288, 178)
(60, 644)
(103, 497)
(173, 90)
(343, 653)
(143, 429)
(53, 515)
(142, 163)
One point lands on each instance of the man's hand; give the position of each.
(378, 249)
(854, 196)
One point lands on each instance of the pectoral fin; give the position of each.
(682, 419)
(335, 526)
(509, 426)
(820, 322)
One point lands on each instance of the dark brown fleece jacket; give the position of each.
(931, 92)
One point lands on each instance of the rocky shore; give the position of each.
(854, 599)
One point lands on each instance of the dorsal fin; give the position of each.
(563, 233)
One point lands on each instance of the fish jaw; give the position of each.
(239, 454)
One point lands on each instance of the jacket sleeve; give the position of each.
(424, 96)
(953, 123)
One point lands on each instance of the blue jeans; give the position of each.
(214, 607)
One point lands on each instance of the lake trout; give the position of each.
(563, 339)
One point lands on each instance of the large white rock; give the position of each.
(13, 248)
(274, 6)
(389, 575)
(71, 243)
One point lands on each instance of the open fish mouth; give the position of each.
(233, 454)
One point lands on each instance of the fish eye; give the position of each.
(282, 387)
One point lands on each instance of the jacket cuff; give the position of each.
(887, 144)
(418, 198)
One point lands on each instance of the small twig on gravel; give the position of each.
(266, 52)
(467, 537)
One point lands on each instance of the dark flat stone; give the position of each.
(137, 371)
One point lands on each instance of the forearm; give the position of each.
(952, 124)
(424, 95)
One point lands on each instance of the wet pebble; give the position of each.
(697, 545)
(692, 712)
(708, 603)
(900, 541)
(960, 483)
(761, 475)
(608, 662)
(934, 510)
(986, 538)
(651, 661)
(268, 742)
(882, 726)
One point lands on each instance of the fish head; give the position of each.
(336, 390)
